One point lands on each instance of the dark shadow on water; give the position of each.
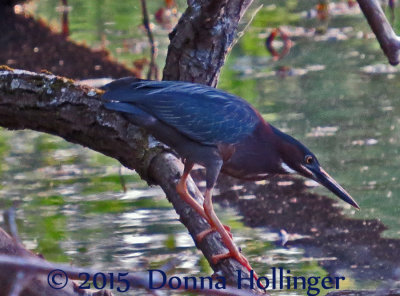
(357, 244)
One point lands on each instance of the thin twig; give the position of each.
(153, 70)
(20, 282)
(171, 264)
(241, 33)
(122, 179)
(392, 5)
(9, 218)
(387, 38)
(64, 18)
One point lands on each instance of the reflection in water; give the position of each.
(333, 90)
(340, 244)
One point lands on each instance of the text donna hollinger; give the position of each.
(158, 279)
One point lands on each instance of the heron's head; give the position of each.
(297, 158)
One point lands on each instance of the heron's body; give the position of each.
(218, 130)
(201, 123)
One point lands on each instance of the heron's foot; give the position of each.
(238, 257)
(226, 236)
(206, 232)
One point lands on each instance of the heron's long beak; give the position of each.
(322, 177)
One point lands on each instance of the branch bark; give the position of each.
(24, 273)
(198, 48)
(36, 284)
(56, 106)
(387, 38)
(136, 279)
(199, 45)
(202, 39)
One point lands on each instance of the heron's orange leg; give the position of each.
(226, 237)
(181, 188)
(207, 212)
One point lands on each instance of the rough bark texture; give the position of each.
(197, 51)
(49, 104)
(14, 259)
(201, 40)
(55, 105)
(387, 38)
(34, 285)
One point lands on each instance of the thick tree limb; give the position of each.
(49, 104)
(199, 45)
(55, 105)
(36, 284)
(387, 38)
(136, 279)
(201, 40)
(24, 273)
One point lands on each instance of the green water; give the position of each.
(70, 203)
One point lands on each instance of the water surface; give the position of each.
(328, 92)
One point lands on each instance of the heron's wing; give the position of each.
(204, 114)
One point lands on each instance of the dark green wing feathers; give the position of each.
(204, 114)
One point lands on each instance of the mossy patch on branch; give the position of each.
(6, 68)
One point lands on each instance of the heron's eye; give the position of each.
(309, 159)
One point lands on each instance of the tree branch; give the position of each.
(153, 69)
(202, 39)
(32, 284)
(136, 279)
(387, 38)
(199, 45)
(55, 105)
(24, 273)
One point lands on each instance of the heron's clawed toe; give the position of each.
(238, 257)
(204, 233)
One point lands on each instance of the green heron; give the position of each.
(219, 131)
